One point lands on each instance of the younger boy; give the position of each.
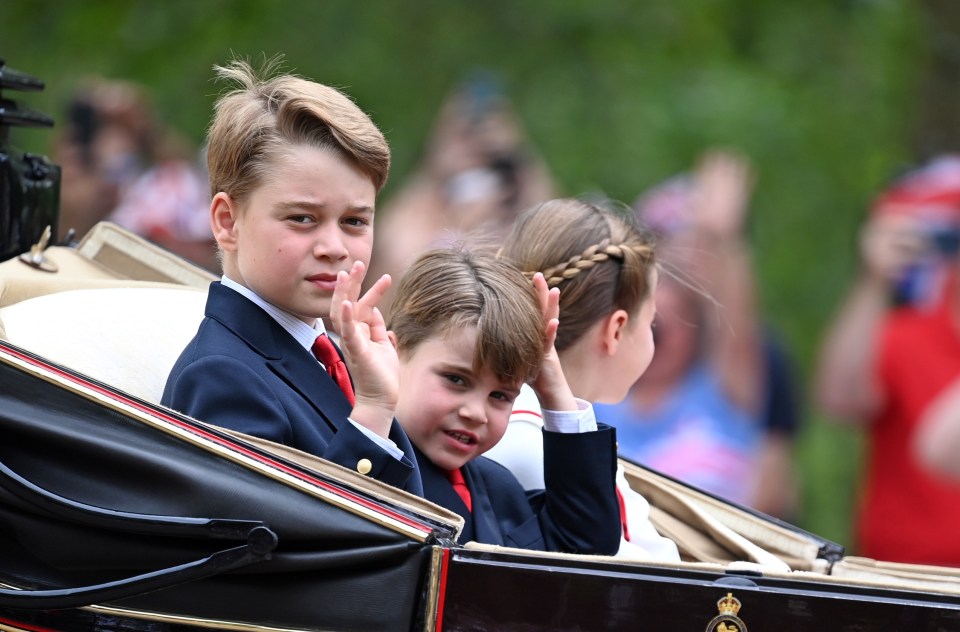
(295, 168)
(469, 332)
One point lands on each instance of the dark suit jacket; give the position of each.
(577, 513)
(245, 372)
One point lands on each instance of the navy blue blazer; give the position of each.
(245, 372)
(578, 512)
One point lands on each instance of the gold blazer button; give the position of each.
(364, 466)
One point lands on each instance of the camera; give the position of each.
(922, 282)
(944, 240)
(29, 183)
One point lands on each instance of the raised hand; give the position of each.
(348, 289)
(724, 181)
(551, 385)
(889, 244)
(370, 356)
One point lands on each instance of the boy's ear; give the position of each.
(223, 221)
(393, 340)
(613, 329)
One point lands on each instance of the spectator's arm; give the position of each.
(846, 385)
(937, 441)
(724, 183)
(845, 381)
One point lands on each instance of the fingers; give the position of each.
(889, 244)
(336, 303)
(548, 298)
(347, 290)
(724, 181)
(377, 327)
(551, 332)
(552, 310)
(725, 164)
(347, 330)
(352, 330)
(371, 299)
(348, 284)
(341, 292)
(354, 280)
(540, 286)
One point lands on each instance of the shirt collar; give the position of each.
(301, 331)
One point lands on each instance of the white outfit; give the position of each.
(521, 451)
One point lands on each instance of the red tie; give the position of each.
(623, 516)
(460, 486)
(324, 350)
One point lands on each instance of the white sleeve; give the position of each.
(581, 420)
(645, 542)
(388, 445)
(521, 448)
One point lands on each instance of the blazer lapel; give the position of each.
(283, 354)
(301, 370)
(438, 489)
(486, 529)
(399, 437)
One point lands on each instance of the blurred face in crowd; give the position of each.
(676, 331)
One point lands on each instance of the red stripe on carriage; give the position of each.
(25, 626)
(225, 442)
(442, 592)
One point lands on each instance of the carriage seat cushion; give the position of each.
(126, 337)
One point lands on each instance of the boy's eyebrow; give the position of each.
(508, 386)
(456, 366)
(319, 206)
(514, 391)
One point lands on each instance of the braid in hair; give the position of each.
(593, 255)
(582, 236)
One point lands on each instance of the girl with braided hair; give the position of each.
(605, 268)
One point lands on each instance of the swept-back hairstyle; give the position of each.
(262, 118)
(601, 261)
(451, 288)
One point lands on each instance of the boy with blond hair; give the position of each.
(470, 330)
(295, 168)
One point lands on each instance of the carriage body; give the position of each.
(119, 514)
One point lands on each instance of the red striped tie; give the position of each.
(324, 350)
(460, 486)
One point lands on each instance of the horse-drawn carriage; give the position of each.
(116, 513)
(119, 514)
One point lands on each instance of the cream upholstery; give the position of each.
(126, 337)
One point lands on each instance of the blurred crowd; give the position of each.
(122, 164)
(720, 405)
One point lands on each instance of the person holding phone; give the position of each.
(892, 351)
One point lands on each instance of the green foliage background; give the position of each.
(616, 95)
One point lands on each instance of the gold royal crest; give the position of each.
(727, 620)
